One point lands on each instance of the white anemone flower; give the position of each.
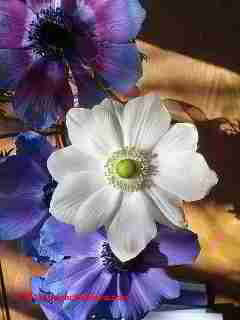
(127, 169)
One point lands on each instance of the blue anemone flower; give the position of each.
(42, 40)
(137, 286)
(25, 187)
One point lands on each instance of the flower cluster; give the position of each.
(107, 240)
(104, 213)
(92, 268)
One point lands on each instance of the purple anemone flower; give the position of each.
(90, 269)
(25, 187)
(42, 40)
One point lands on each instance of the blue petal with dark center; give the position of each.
(134, 287)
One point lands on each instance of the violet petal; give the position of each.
(44, 94)
(21, 195)
(20, 175)
(64, 240)
(37, 5)
(52, 309)
(13, 64)
(93, 283)
(115, 21)
(19, 215)
(148, 289)
(35, 146)
(14, 19)
(119, 65)
(179, 246)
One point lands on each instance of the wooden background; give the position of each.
(193, 56)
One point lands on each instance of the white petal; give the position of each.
(96, 132)
(170, 207)
(181, 137)
(115, 107)
(107, 104)
(98, 209)
(111, 105)
(76, 120)
(71, 192)
(145, 120)
(185, 174)
(71, 160)
(133, 226)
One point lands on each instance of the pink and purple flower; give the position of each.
(42, 41)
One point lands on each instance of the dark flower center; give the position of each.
(48, 190)
(113, 264)
(55, 35)
(49, 34)
(150, 257)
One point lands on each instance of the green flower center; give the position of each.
(129, 169)
(126, 168)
